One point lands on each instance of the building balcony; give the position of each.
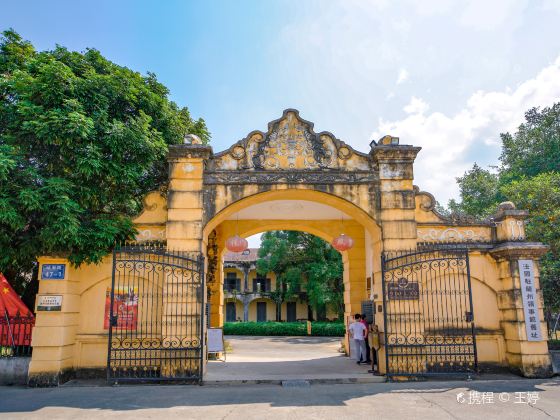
(249, 294)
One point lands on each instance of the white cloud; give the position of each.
(416, 106)
(488, 15)
(450, 143)
(403, 76)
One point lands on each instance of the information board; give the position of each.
(215, 340)
(125, 308)
(49, 303)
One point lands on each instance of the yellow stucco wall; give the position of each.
(301, 310)
(270, 309)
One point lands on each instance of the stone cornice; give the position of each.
(289, 177)
(516, 214)
(181, 151)
(516, 250)
(394, 153)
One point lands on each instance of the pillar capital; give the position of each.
(394, 153)
(519, 250)
(510, 222)
(188, 151)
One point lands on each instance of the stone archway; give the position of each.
(360, 262)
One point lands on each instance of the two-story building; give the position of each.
(249, 296)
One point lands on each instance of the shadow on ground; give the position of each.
(137, 397)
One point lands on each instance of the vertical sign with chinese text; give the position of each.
(530, 300)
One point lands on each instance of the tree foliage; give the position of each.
(529, 175)
(541, 196)
(82, 140)
(479, 192)
(301, 260)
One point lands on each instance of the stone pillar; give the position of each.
(185, 209)
(397, 218)
(246, 301)
(396, 194)
(529, 358)
(245, 277)
(54, 334)
(185, 203)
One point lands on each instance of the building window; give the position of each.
(231, 282)
(261, 284)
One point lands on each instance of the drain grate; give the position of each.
(295, 383)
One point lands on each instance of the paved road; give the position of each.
(274, 358)
(426, 400)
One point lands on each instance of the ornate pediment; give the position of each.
(290, 144)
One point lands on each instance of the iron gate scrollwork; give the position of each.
(155, 315)
(429, 321)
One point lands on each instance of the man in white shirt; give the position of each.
(358, 332)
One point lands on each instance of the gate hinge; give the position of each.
(469, 316)
(114, 321)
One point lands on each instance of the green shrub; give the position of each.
(322, 329)
(328, 329)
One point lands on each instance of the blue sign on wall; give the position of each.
(53, 271)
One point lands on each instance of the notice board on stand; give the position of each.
(215, 341)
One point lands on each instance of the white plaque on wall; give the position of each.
(530, 300)
(49, 303)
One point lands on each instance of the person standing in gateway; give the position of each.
(358, 332)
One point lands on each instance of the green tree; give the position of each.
(479, 193)
(534, 148)
(529, 175)
(300, 259)
(540, 195)
(81, 141)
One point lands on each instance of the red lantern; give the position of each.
(236, 244)
(342, 242)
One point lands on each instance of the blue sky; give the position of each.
(445, 75)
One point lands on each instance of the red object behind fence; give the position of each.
(16, 320)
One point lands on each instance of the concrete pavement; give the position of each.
(273, 359)
(421, 400)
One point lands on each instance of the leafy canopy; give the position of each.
(303, 261)
(529, 175)
(82, 140)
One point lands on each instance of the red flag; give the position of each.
(9, 300)
(16, 320)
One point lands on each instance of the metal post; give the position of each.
(383, 262)
(111, 315)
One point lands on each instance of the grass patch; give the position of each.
(319, 329)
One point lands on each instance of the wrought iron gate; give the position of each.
(429, 322)
(155, 315)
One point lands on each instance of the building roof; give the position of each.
(249, 255)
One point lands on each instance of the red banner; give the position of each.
(125, 309)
